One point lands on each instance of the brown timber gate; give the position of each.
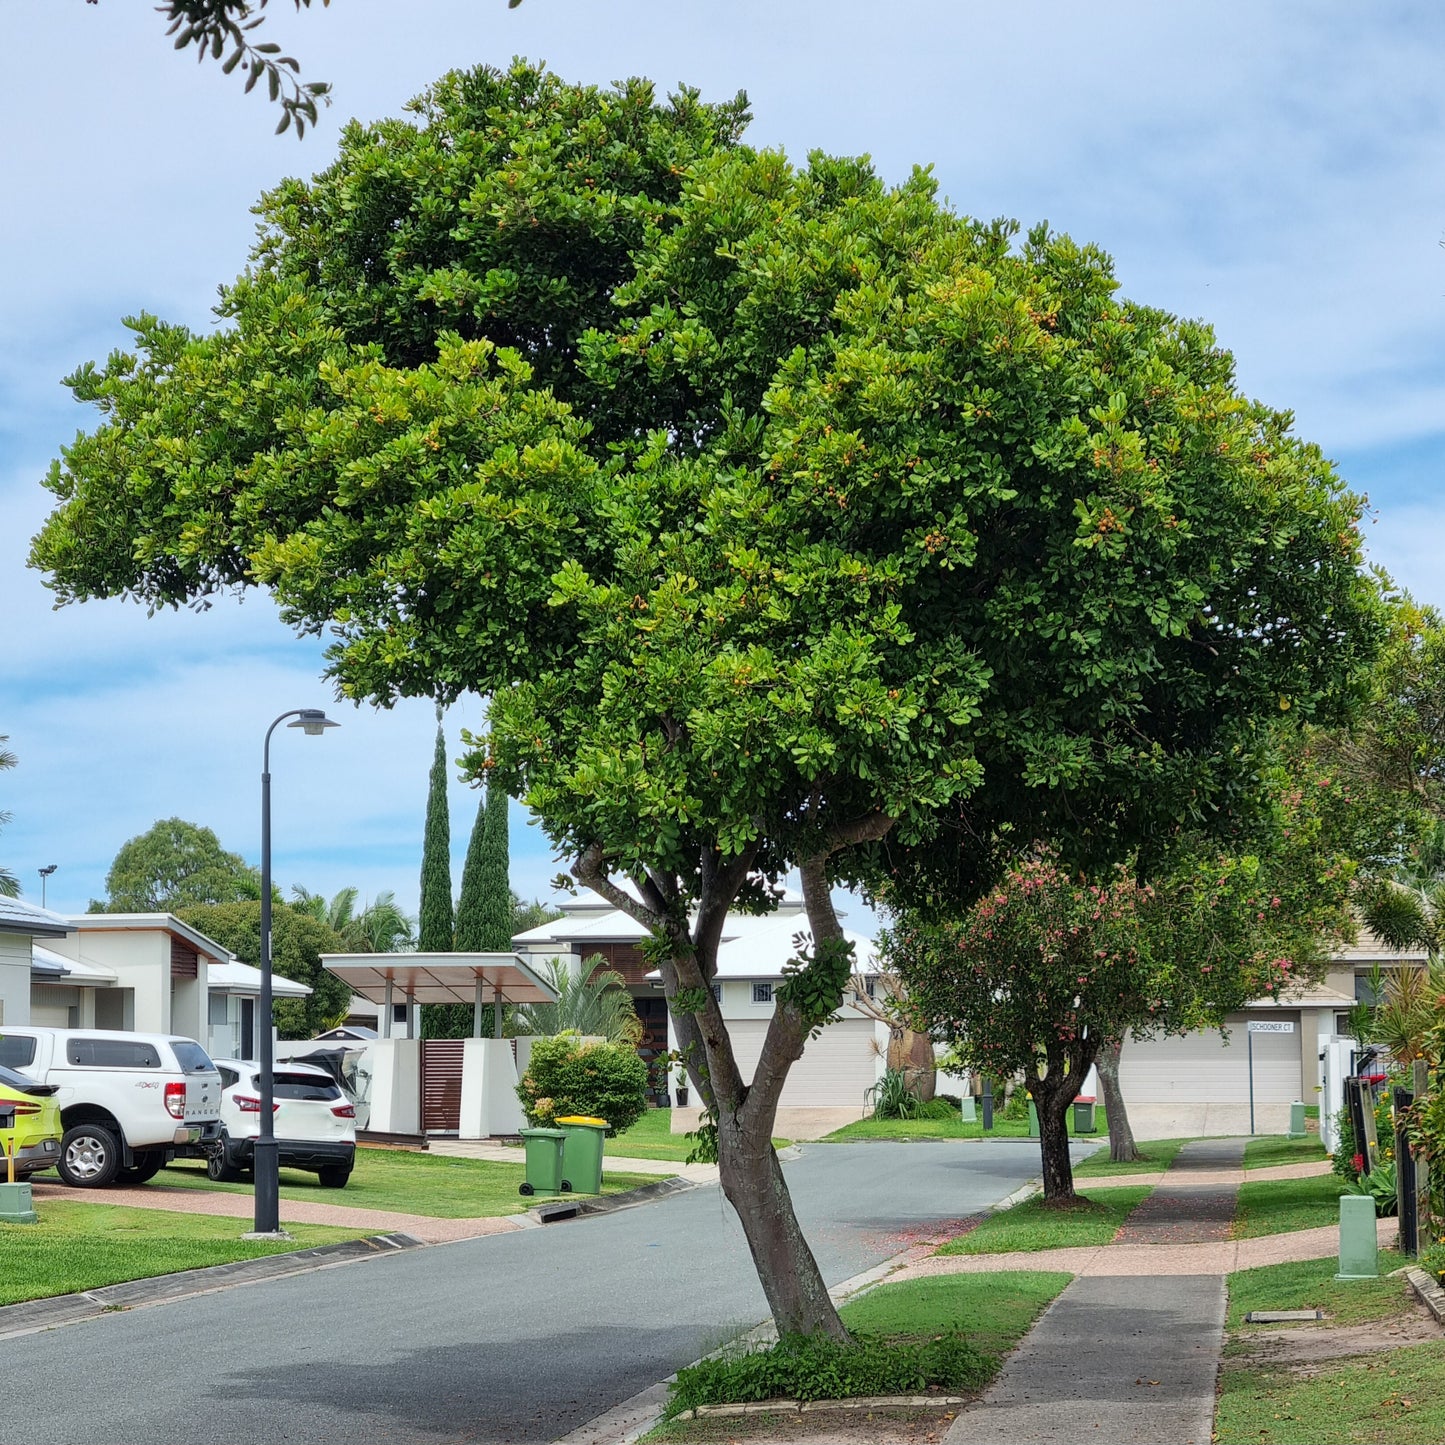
(441, 1086)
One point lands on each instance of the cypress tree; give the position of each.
(496, 875)
(470, 928)
(434, 932)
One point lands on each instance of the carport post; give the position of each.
(477, 1009)
(496, 1011)
(386, 1011)
(410, 1015)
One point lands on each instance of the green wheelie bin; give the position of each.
(544, 1162)
(584, 1152)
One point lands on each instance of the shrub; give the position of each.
(606, 1081)
(1342, 1161)
(1380, 1185)
(815, 1367)
(892, 1097)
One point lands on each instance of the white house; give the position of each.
(20, 925)
(826, 1085)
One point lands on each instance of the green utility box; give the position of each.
(1033, 1120)
(544, 1162)
(584, 1152)
(1359, 1254)
(15, 1204)
(1084, 1116)
(1297, 1120)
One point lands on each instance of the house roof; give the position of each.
(612, 925)
(18, 917)
(143, 922)
(236, 977)
(440, 977)
(69, 970)
(761, 952)
(1311, 996)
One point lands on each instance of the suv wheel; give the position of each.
(147, 1165)
(334, 1176)
(221, 1168)
(89, 1156)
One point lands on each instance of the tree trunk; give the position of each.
(752, 1180)
(1122, 1149)
(1053, 1093)
(913, 1053)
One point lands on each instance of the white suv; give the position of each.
(127, 1101)
(314, 1122)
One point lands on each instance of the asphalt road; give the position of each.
(517, 1337)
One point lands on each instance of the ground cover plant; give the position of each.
(1039, 1224)
(950, 1333)
(84, 1246)
(407, 1182)
(1273, 1206)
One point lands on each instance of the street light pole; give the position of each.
(45, 878)
(267, 1213)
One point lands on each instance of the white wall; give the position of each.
(15, 978)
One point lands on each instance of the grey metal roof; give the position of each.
(18, 917)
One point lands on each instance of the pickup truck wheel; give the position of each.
(334, 1177)
(89, 1156)
(145, 1168)
(219, 1167)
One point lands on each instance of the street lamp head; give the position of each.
(48, 870)
(313, 722)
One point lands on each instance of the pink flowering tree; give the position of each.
(1047, 969)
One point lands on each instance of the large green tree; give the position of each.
(297, 942)
(789, 520)
(173, 865)
(486, 906)
(434, 924)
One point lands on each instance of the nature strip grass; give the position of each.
(950, 1331)
(1310, 1285)
(1279, 1149)
(84, 1246)
(1158, 1154)
(406, 1183)
(1398, 1395)
(1035, 1225)
(651, 1137)
(951, 1127)
(1274, 1206)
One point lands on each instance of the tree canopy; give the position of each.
(173, 865)
(788, 518)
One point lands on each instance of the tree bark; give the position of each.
(1053, 1092)
(1122, 1149)
(751, 1176)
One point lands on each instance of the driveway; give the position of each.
(520, 1337)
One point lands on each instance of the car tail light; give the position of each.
(20, 1108)
(249, 1104)
(344, 1111)
(176, 1100)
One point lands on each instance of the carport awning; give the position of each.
(440, 977)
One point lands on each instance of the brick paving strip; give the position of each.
(1131, 1348)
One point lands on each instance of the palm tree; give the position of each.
(9, 883)
(380, 927)
(594, 1001)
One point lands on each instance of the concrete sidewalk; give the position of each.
(1310, 1170)
(293, 1211)
(1130, 1350)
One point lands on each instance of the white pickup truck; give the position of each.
(127, 1101)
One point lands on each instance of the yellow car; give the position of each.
(29, 1124)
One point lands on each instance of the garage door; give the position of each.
(53, 1006)
(835, 1069)
(1204, 1068)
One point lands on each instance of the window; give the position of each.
(762, 993)
(398, 1013)
(112, 1054)
(229, 1077)
(717, 992)
(872, 985)
(16, 1051)
(192, 1058)
(304, 1086)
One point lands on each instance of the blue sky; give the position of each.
(1278, 169)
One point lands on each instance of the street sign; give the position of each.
(1271, 1026)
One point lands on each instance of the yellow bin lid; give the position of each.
(579, 1119)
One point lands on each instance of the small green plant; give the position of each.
(815, 1367)
(1342, 1161)
(565, 1077)
(892, 1098)
(1379, 1184)
(704, 1140)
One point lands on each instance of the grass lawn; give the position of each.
(84, 1246)
(1158, 1154)
(1280, 1149)
(1397, 1396)
(1271, 1206)
(410, 1183)
(1034, 1225)
(951, 1127)
(990, 1312)
(651, 1137)
(1310, 1285)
